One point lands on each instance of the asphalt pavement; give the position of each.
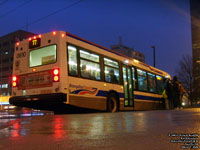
(134, 130)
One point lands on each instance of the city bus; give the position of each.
(59, 68)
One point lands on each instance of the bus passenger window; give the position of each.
(111, 70)
(72, 60)
(89, 64)
(111, 75)
(142, 80)
(152, 82)
(160, 84)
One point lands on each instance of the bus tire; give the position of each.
(112, 103)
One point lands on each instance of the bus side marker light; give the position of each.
(104, 85)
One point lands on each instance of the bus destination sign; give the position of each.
(33, 43)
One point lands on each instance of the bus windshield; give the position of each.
(43, 56)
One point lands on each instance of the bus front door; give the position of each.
(128, 86)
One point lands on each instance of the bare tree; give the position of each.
(184, 73)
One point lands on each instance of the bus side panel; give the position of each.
(87, 93)
(147, 101)
(62, 59)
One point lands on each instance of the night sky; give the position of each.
(140, 23)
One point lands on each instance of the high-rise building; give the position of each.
(195, 28)
(7, 44)
(128, 51)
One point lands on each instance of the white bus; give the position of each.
(59, 68)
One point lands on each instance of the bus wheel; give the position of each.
(112, 105)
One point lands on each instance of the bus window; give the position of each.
(111, 70)
(89, 64)
(89, 56)
(72, 60)
(142, 80)
(152, 82)
(160, 84)
(42, 56)
(111, 74)
(134, 78)
(111, 63)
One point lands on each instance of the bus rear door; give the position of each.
(128, 86)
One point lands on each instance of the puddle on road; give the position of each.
(11, 122)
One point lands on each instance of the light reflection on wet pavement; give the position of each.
(140, 130)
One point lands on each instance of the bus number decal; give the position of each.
(34, 43)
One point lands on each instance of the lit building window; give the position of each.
(5, 52)
(4, 86)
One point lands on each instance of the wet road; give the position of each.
(138, 130)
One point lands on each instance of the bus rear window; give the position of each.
(42, 56)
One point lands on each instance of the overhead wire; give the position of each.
(14, 9)
(53, 13)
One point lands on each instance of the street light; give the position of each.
(1, 79)
(154, 56)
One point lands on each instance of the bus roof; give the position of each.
(112, 51)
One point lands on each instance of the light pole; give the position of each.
(154, 56)
(1, 79)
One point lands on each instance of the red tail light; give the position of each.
(56, 71)
(56, 75)
(14, 81)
